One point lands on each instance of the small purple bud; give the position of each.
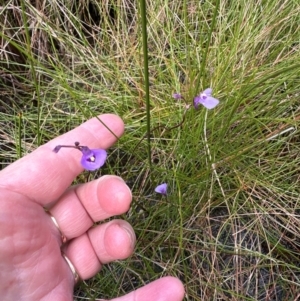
(162, 188)
(177, 96)
(56, 148)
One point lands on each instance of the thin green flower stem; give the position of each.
(99, 119)
(212, 27)
(180, 214)
(20, 135)
(146, 73)
(187, 41)
(33, 72)
(213, 165)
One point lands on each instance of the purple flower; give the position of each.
(162, 188)
(177, 96)
(206, 99)
(91, 159)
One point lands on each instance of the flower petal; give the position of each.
(209, 102)
(197, 101)
(207, 91)
(162, 188)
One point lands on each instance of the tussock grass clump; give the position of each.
(229, 227)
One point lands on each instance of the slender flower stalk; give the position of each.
(91, 159)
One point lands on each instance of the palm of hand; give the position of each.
(30, 250)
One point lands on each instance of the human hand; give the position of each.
(31, 263)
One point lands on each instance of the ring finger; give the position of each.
(102, 244)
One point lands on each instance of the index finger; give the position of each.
(44, 175)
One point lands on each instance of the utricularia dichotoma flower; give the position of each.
(162, 188)
(206, 99)
(91, 159)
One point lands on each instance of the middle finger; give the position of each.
(83, 205)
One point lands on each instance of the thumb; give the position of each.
(163, 289)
